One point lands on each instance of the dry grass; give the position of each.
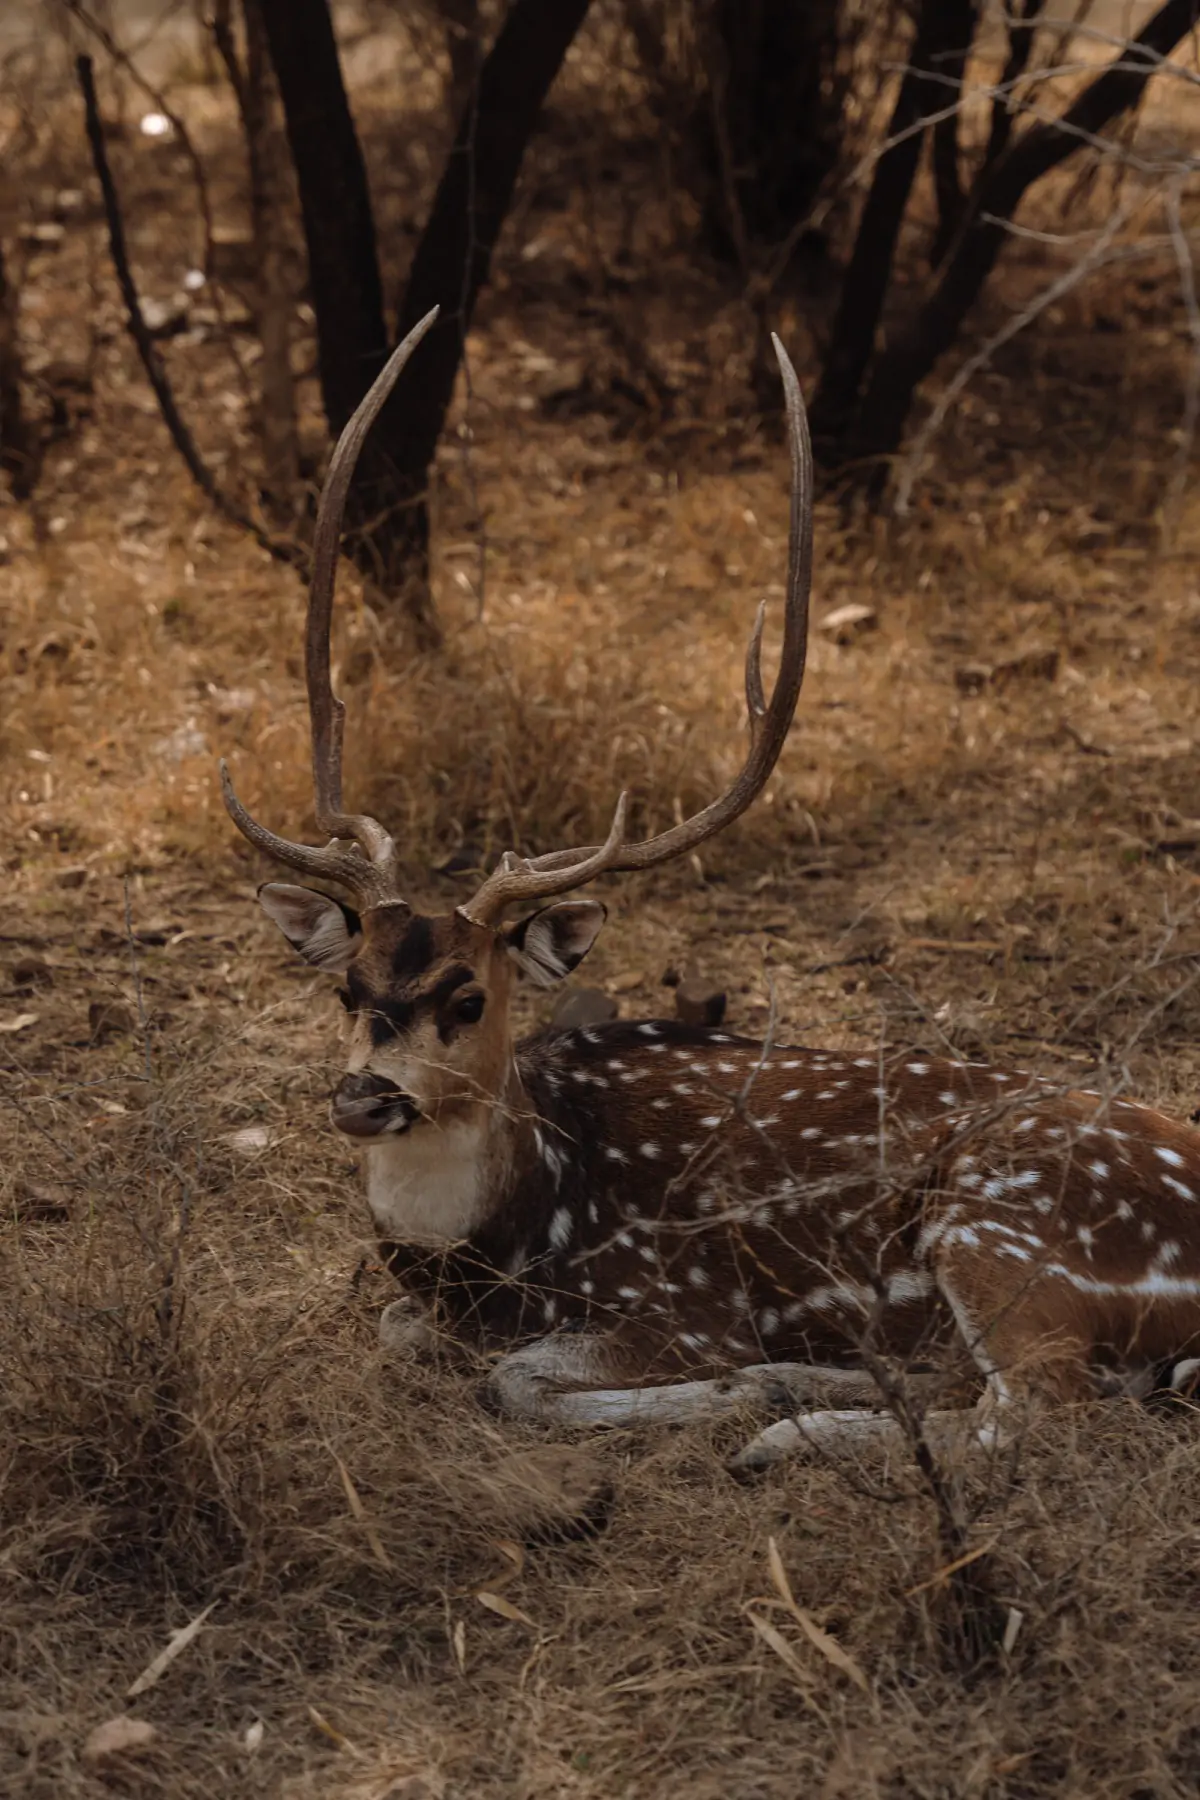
(192, 1406)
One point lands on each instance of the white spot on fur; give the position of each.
(913, 1284)
(1168, 1156)
(561, 1226)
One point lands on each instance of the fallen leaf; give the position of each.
(330, 1731)
(783, 1650)
(17, 1021)
(253, 1735)
(122, 1736)
(252, 1138)
(458, 1638)
(505, 1609)
(820, 1639)
(360, 1513)
(625, 983)
(941, 1576)
(179, 1641)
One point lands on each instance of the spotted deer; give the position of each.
(652, 1222)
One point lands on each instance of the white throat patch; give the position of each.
(428, 1185)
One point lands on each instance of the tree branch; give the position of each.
(138, 330)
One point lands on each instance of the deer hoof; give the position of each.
(771, 1446)
(405, 1329)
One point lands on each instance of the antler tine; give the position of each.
(560, 870)
(370, 870)
(522, 878)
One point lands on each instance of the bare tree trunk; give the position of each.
(18, 458)
(464, 44)
(257, 98)
(455, 251)
(335, 201)
(347, 292)
(941, 26)
(1042, 148)
(950, 67)
(1020, 48)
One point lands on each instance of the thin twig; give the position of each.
(151, 361)
(178, 125)
(911, 468)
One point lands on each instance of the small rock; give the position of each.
(76, 876)
(699, 1002)
(40, 1204)
(1030, 665)
(109, 1019)
(122, 1736)
(165, 318)
(847, 622)
(43, 235)
(582, 1007)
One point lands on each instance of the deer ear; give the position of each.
(325, 932)
(549, 944)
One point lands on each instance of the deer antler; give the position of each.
(369, 870)
(538, 877)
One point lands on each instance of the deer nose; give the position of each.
(367, 1105)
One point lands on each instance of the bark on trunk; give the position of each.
(453, 257)
(940, 26)
(256, 92)
(17, 455)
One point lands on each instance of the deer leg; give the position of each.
(560, 1380)
(844, 1433)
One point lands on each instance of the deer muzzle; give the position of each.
(366, 1106)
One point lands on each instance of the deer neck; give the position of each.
(444, 1180)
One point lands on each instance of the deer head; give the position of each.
(429, 996)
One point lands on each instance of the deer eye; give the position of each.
(469, 1009)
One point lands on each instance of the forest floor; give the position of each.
(982, 837)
